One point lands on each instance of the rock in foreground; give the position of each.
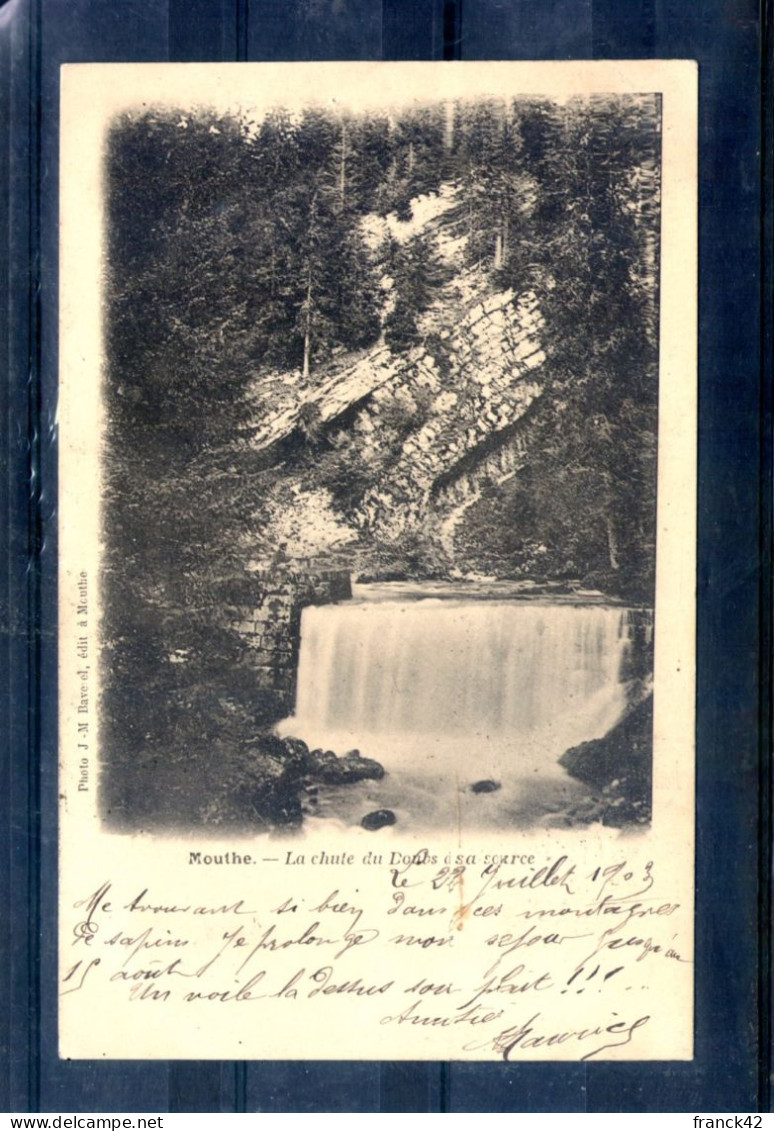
(379, 819)
(485, 786)
(261, 781)
(325, 767)
(619, 769)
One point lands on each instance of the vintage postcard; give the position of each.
(377, 540)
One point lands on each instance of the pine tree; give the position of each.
(181, 482)
(417, 274)
(598, 457)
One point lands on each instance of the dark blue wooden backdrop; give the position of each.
(36, 36)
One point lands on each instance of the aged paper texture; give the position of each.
(377, 583)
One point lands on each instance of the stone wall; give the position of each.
(265, 608)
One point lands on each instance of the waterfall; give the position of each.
(474, 687)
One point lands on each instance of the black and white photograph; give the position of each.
(380, 457)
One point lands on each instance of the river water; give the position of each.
(448, 688)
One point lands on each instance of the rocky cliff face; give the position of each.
(425, 428)
(483, 376)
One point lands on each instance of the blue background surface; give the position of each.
(732, 1009)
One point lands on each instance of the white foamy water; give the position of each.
(448, 692)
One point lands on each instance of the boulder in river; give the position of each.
(323, 766)
(379, 819)
(485, 786)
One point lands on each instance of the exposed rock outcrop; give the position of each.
(268, 777)
(619, 769)
(325, 767)
(428, 426)
(482, 376)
